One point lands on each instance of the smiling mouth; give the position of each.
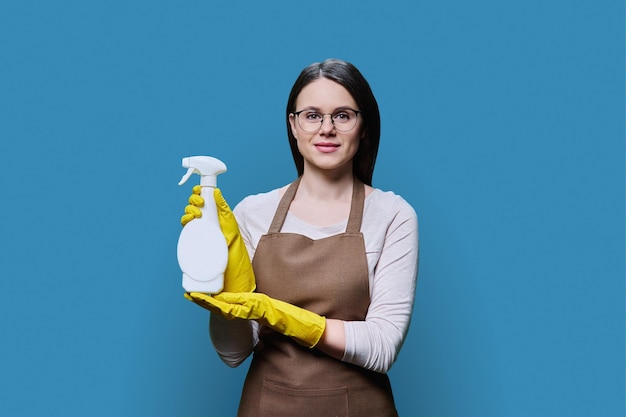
(326, 147)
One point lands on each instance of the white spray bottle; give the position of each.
(202, 250)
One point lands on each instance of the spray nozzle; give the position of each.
(206, 166)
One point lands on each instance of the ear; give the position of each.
(292, 123)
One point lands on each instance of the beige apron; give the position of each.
(328, 276)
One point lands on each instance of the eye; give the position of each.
(311, 116)
(342, 117)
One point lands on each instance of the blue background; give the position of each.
(503, 125)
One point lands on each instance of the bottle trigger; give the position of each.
(190, 171)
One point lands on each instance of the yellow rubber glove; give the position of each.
(238, 276)
(192, 210)
(304, 326)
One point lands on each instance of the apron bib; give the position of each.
(328, 276)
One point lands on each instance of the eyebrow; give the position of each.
(317, 109)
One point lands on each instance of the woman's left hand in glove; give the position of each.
(238, 276)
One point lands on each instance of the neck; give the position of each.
(324, 187)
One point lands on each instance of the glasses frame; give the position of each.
(297, 115)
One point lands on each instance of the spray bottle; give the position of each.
(202, 251)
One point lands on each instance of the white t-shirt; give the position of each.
(390, 232)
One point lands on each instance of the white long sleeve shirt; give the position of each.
(390, 232)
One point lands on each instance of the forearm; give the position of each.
(333, 341)
(372, 345)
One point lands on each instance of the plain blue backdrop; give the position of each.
(502, 124)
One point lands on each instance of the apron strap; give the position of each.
(283, 207)
(356, 208)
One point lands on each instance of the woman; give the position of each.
(335, 263)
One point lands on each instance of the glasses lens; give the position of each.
(310, 121)
(343, 120)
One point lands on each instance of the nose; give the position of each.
(327, 127)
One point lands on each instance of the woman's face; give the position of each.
(328, 149)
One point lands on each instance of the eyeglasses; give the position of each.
(311, 121)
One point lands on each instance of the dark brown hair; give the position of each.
(347, 75)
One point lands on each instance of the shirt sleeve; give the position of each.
(393, 259)
(234, 340)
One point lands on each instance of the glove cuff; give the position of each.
(309, 336)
